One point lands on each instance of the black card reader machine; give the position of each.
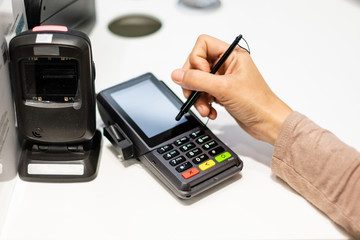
(185, 155)
(53, 77)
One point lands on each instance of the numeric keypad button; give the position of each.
(203, 139)
(187, 147)
(193, 153)
(181, 141)
(183, 167)
(197, 134)
(177, 161)
(165, 148)
(217, 151)
(200, 159)
(171, 154)
(209, 145)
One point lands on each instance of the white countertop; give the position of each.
(308, 52)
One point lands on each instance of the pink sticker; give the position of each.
(50, 28)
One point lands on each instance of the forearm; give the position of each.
(321, 168)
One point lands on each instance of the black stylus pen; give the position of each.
(195, 94)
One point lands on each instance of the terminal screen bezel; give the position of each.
(190, 123)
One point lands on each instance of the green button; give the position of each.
(222, 157)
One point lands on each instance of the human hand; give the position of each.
(238, 86)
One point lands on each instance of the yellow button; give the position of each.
(206, 165)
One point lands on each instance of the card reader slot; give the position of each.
(66, 73)
(116, 133)
(120, 141)
(215, 180)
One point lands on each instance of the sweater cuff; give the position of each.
(282, 141)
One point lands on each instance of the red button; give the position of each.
(190, 173)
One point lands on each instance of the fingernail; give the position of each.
(178, 75)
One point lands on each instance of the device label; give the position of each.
(55, 169)
(44, 38)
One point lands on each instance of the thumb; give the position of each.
(196, 80)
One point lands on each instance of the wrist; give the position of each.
(274, 122)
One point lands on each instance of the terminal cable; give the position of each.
(247, 48)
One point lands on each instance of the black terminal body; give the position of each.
(185, 155)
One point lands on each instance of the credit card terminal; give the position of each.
(185, 155)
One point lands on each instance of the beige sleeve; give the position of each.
(324, 170)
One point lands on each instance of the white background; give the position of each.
(308, 52)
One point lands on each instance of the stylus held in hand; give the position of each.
(195, 94)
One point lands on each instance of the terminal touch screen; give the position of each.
(148, 107)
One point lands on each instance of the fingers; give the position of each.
(213, 114)
(209, 47)
(206, 52)
(204, 82)
(203, 104)
(204, 107)
(195, 73)
(198, 80)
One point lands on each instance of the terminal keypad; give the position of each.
(192, 154)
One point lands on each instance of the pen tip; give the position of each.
(178, 117)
